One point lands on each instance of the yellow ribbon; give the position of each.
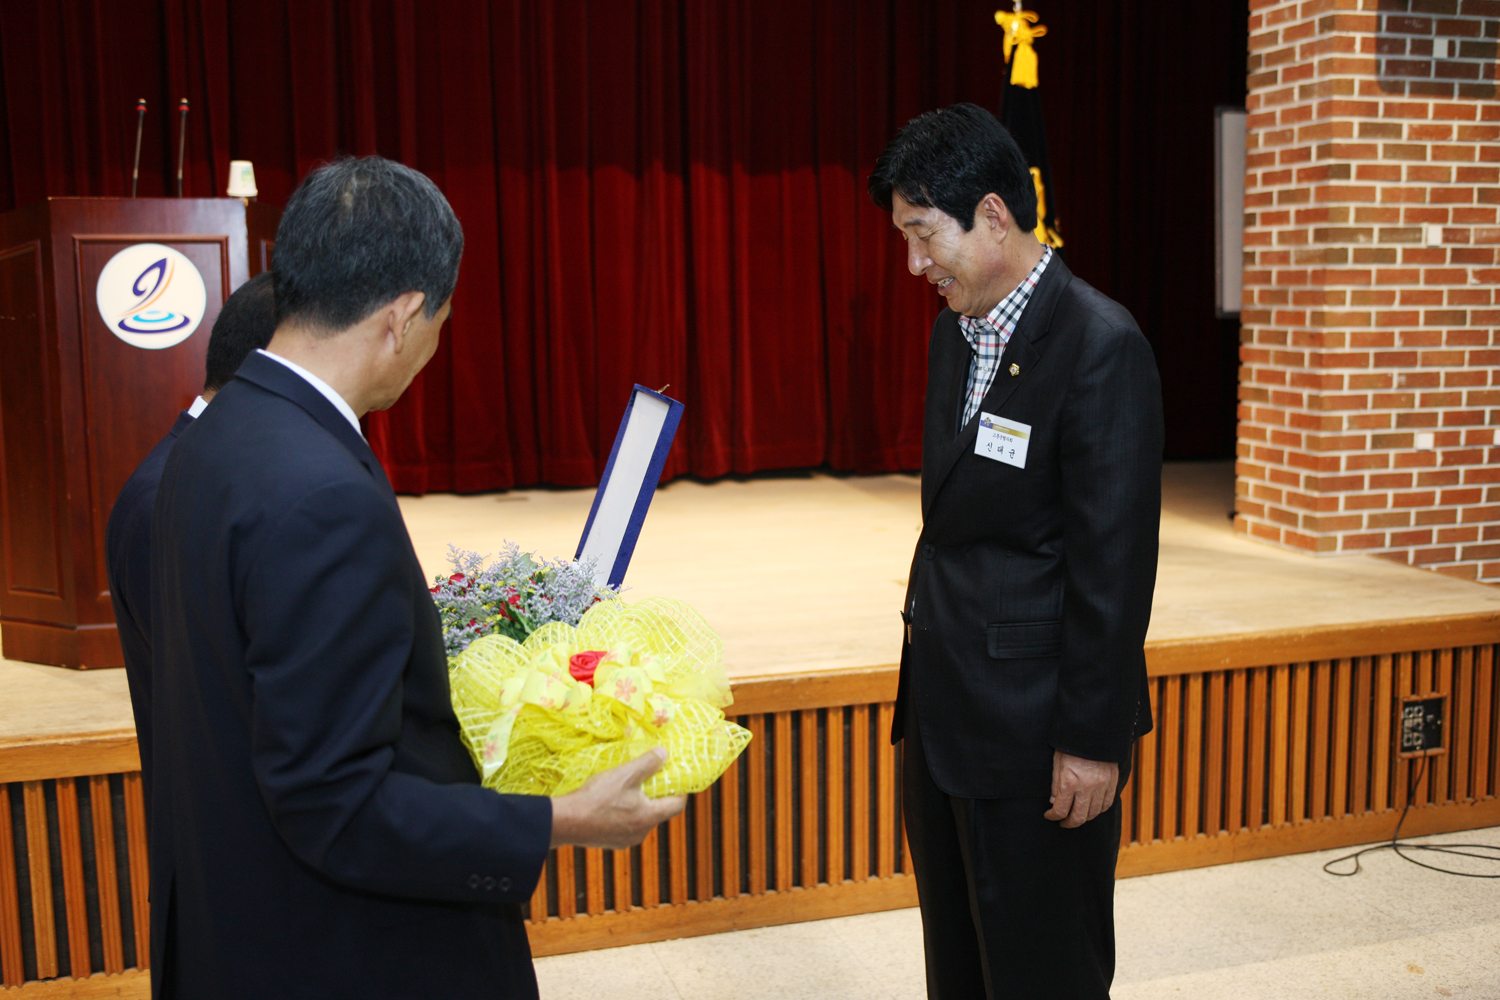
(1019, 34)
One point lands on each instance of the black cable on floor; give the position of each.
(1465, 850)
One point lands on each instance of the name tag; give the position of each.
(1003, 440)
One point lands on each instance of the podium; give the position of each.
(84, 395)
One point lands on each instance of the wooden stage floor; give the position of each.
(805, 573)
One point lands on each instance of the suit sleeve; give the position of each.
(1111, 449)
(328, 613)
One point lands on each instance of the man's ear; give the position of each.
(400, 313)
(995, 216)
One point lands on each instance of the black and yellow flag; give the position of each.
(1021, 113)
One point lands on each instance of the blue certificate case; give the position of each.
(630, 478)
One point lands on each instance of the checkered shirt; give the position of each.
(988, 335)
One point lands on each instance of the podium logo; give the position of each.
(151, 296)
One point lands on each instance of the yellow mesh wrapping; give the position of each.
(534, 729)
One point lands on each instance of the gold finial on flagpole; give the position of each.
(1020, 30)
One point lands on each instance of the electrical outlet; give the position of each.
(1422, 724)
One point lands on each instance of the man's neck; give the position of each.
(327, 357)
(1017, 266)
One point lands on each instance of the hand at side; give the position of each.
(1081, 788)
(610, 810)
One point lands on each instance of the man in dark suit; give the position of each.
(245, 323)
(1023, 676)
(318, 826)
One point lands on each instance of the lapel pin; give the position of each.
(1015, 369)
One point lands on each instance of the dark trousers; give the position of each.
(1014, 907)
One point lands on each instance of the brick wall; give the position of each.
(1368, 396)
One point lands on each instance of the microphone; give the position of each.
(182, 112)
(140, 122)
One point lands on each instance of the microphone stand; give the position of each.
(140, 122)
(182, 110)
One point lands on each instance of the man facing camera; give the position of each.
(318, 826)
(244, 324)
(1023, 674)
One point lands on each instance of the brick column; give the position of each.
(1368, 395)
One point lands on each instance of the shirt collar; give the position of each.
(199, 405)
(1007, 312)
(323, 387)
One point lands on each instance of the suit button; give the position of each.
(928, 552)
(489, 883)
(473, 881)
(505, 885)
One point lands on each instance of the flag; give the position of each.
(1021, 113)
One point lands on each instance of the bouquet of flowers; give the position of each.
(513, 596)
(542, 715)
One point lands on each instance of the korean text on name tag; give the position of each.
(1002, 440)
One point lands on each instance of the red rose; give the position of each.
(515, 600)
(583, 665)
(456, 577)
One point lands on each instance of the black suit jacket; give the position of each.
(317, 826)
(127, 553)
(1030, 590)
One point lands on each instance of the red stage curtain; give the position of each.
(667, 192)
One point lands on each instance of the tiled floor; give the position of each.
(1278, 928)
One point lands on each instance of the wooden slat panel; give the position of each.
(885, 790)
(1145, 793)
(567, 884)
(782, 828)
(1238, 700)
(729, 828)
(111, 932)
(807, 770)
(619, 876)
(39, 859)
(70, 846)
(593, 883)
(1257, 759)
(1281, 723)
(11, 971)
(1299, 706)
(1169, 747)
(1361, 752)
(538, 906)
(835, 791)
(140, 879)
(757, 752)
(859, 795)
(1484, 724)
(1439, 767)
(651, 870)
(1382, 751)
(1213, 785)
(1343, 760)
(1322, 720)
(1190, 822)
(703, 845)
(677, 855)
(1461, 714)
